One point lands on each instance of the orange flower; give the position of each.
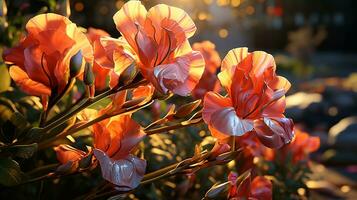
(114, 140)
(66, 153)
(41, 60)
(255, 101)
(208, 81)
(101, 72)
(259, 188)
(157, 40)
(301, 146)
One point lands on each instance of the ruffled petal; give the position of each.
(229, 64)
(261, 62)
(274, 132)
(128, 19)
(125, 173)
(26, 84)
(49, 21)
(118, 54)
(220, 115)
(125, 135)
(182, 76)
(227, 122)
(214, 102)
(172, 19)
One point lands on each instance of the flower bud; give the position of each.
(88, 76)
(128, 75)
(76, 64)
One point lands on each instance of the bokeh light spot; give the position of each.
(345, 188)
(223, 33)
(235, 3)
(79, 6)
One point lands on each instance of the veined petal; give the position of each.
(49, 21)
(280, 82)
(220, 115)
(274, 132)
(231, 61)
(213, 102)
(171, 18)
(196, 65)
(227, 122)
(26, 84)
(35, 65)
(119, 54)
(125, 173)
(127, 20)
(261, 62)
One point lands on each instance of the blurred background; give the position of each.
(313, 41)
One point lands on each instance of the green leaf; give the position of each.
(21, 124)
(23, 151)
(10, 172)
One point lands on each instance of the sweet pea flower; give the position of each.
(114, 140)
(300, 147)
(256, 189)
(255, 102)
(101, 73)
(40, 63)
(157, 42)
(208, 81)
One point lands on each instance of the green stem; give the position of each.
(172, 127)
(45, 143)
(90, 101)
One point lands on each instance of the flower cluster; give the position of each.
(152, 59)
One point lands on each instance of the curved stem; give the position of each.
(173, 127)
(45, 143)
(89, 102)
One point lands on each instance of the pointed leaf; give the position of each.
(10, 172)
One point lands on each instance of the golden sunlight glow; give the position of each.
(345, 188)
(119, 4)
(223, 33)
(79, 6)
(222, 2)
(235, 3)
(302, 99)
(202, 16)
(301, 191)
(250, 10)
(208, 2)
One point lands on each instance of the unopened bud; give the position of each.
(127, 75)
(76, 64)
(88, 76)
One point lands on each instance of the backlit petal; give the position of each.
(127, 20)
(274, 132)
(29, 86)
(214, 102)
(125, 173)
